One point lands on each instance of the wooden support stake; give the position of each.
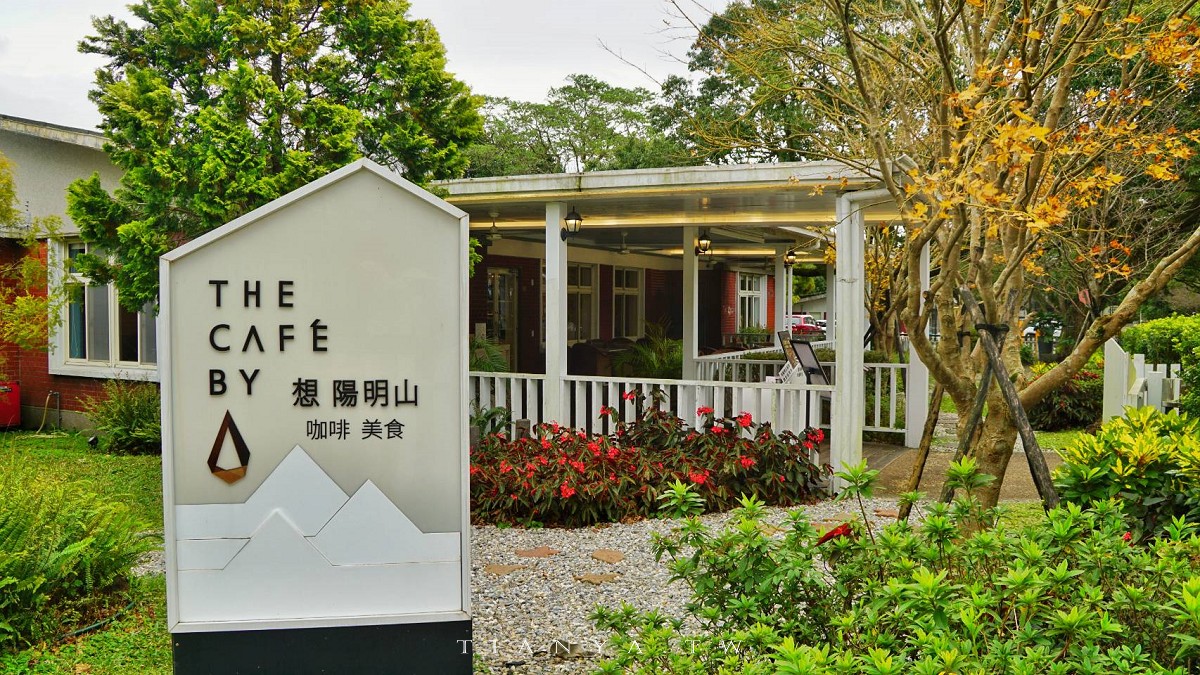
(1033, 452)
(931, 420)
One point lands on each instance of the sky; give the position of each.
(514, 48)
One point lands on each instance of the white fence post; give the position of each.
(1116, 379)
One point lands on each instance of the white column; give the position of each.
(917, 385)
(691, 323)
(849, 405)
(830, 305)
(553, 408)
(783, 294)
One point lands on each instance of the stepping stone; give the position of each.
(597, 579)
(608, 555)
(539, 552)
(887, 513)
(770, 530)
(501, 570)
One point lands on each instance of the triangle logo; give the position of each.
(229, 429)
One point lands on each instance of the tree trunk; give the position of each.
(994, 449)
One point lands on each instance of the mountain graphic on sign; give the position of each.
(300, 542)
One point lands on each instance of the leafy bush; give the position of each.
(1067, 595)
(656, 356)
(127, 417)
(559, 476)
(1175, 339)
(65, 555)
(1149, 460)
(486, 356)
(1077, 404)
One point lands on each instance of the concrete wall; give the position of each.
(44, 167)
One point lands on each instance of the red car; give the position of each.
(805, 324)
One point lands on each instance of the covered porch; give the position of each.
(564, 308)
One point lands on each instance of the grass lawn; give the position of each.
(136, 642)
(1055, 440)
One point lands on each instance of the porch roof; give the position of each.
(749, 209)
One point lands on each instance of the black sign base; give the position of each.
(417, 648)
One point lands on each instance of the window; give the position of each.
(100, 337)
(627, 302)
(751, 300)
(581, 302)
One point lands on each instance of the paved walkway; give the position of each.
(895, 465)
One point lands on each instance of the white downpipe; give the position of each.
(556, 311)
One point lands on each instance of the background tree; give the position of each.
(214, 108)
(584, 125)
(28, 312)
(992, 124)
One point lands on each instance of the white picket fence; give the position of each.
(1130, 381)
(791, 407)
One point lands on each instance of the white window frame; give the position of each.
(760, 294)
(590, 292)
(636, 294)
(59, 361)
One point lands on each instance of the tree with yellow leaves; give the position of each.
(996, 126)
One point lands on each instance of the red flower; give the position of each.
(704, 410)
(612, 476)
(745, 419)
(613, 453)
(578, 466)
(566, 491)
(555, 427)
(475, 469)
(698, 477)
(505, 467)
(718, 429)
(562, 460)
(691, 436)
(629, 396)
(594, 447)
(820, 435)
(807, 445)
(604, 410)
(543, 460)
(746, 462)
(546, 445)
(781, 478)
(842, 530)
(514, 497)
(1128, 536)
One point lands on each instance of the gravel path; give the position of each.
(523, 618)
(519, 615)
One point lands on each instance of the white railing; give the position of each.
(884, 382)
(1130, 381)
(785, 406)
(733, 368)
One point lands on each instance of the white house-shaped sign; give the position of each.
(314, 411)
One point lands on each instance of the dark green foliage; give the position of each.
(127, 417)
(656, 356)
(566, 478)
(1175, 339)
(1066, 595)
(65, 554)
(213, 109)
(485, 356)
(1077, 404)
(584, 125)
(1148, 460)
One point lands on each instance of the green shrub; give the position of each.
(486, 356)
(127, 417)
(1066, 595)
(1149, 460)
(563, 477)
(65, 555)
(1077, 404)
(657, 356)
(1174, 339)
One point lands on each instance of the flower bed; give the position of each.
(563, 477)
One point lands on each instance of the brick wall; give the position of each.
(664, 300)
(31, 368)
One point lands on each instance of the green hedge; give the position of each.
(1077, 404)
(1174, 339)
